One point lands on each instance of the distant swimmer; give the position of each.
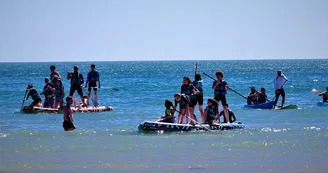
(262, 96)
(211, 111)
(91, 83)
(279, 82)
(76, 83)
(232, 117)
(220, 88)
(324, 96)
(59, 93)
(35, 97)
(252, 96)
(68, 115)
(188, 89)
(169, 113)
(54, 75)
(184, 101)
(198, 84)
(49, 94)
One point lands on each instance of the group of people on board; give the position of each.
(54, 92)
(191, 94)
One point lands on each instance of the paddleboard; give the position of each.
(26, 109)
(287, 107)
(322, 104)
(267, 105)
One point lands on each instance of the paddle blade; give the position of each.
(315, 90)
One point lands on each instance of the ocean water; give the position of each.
(273, 140)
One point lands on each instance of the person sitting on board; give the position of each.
(59, 93)
(184, 102)
(324, 96)
(252, 96)
(232, 117)
(279, 82)
(54, 75)
(262, 96)
(49, 94)
(211, 111)
(92, 79)
(76, 83)
(220, 88)
(169, 113)
(68, 115)
(188, 89)
(198, 84)
(35, 97)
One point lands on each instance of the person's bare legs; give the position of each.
(226, 114)
(200, 107)
(180, 116)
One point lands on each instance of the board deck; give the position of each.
(287, 107)
(52, 110)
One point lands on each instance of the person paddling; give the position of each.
(184, 101)
(76, 83)
(68, 115)
(169, 113)
(35, 97)
(198, 84)
(279, 82)
(211, 111)
(232, 117)
(324, 96)
(220, 88)
(252, 96)
(91, 83)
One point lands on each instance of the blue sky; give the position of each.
(116, 30)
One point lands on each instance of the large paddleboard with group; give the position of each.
(26, 109)
(150, 126)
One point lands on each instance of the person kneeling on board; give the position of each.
(169, 113)
(35, 96)
(68, 115)
(252, 96)
(211, 111)
(232, 117)
(262, 96)
(324, 96)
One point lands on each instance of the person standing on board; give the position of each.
(188, 89)
(76, 83)
(54, 75)
(49, 94)
(59, 93)
(220, 88)
(92, 79)
(184, 102)
(198, 84)
(324, 96)
(68, 115)
(279, 82)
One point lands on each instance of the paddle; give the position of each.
(229, 87)
(24, 98)
(207, 129)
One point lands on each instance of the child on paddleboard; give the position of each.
(169, 113)
(184, 101)
(68, 115)
(35, 96)
(211, 111)
(232, 117)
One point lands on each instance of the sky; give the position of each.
(124, 30)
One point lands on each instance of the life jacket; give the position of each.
(220, 89)
(168, 112)
(77, 76)
(211, 111)
(186, 89)
(199, 86)
(93, 76)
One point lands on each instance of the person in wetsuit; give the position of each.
(35, 97)
(91, 83)
(76, 83)
(220, 88)
(232, 117)
(211, 111)
(169, 113)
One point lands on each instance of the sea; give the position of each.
(274, 141)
